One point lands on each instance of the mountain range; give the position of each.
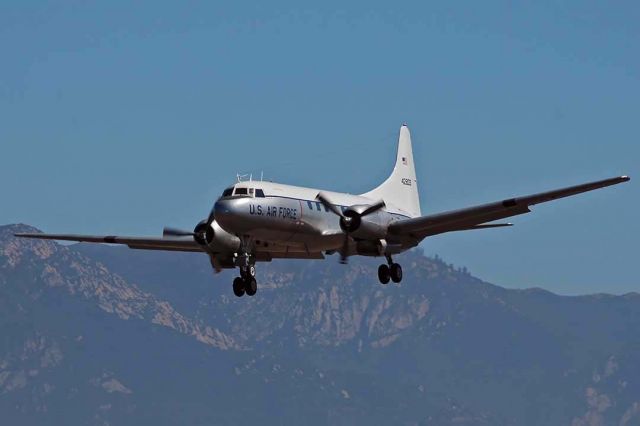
(105, 335)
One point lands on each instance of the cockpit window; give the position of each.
(227, 192)
(241, 191)
(259, 193)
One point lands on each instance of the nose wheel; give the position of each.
(251, 286)
(238, 287)
(246, 283)
(390, 272)
(242, 286)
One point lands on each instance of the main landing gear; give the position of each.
(246, 283)
(392, 271)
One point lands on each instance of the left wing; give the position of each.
(144, 243)
(477, 217)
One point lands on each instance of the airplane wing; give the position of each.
(265, 256)
(477, 217)
(167, 244)
(143, 243)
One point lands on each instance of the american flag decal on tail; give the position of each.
(404, 160)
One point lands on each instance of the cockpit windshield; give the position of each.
(252, 192)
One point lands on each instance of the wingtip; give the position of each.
(625, 178)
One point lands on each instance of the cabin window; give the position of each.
(259, 193)
(227, 192)
(318, 206)
(310, 204)
(241, 191)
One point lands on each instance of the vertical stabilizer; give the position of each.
(400, 190)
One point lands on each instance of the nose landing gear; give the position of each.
(392, 271)
(246, 283)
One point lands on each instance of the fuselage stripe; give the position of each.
(300, 200)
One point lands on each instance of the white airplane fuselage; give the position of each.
(291, 218)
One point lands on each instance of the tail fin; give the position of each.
(400, 190)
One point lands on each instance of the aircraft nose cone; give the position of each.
(221, 208)
(226, 213)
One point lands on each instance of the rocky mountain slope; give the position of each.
(106, 335)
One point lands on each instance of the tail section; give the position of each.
(400, 190)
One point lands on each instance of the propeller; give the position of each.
(199, 234)
(174, 232)
(350, 220)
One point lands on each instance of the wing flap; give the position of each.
(486, 226)
(265, 256)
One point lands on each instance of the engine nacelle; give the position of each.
(371, 248)
(377, 248)
(215, 238)
(373, 226)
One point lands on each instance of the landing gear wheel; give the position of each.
(238, 287)
(251, 286)
(384, 274)
(396, 272)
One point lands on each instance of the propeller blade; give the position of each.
(373, 208)
(173, 232)
(344, 259)
(325, 202)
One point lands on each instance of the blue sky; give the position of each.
(123, 117)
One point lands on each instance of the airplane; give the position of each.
(258, 221)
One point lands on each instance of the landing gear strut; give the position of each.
(392, 271)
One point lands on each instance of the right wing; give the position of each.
(143, 243)
(266, 256)
(477, 217)
(168, 244)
